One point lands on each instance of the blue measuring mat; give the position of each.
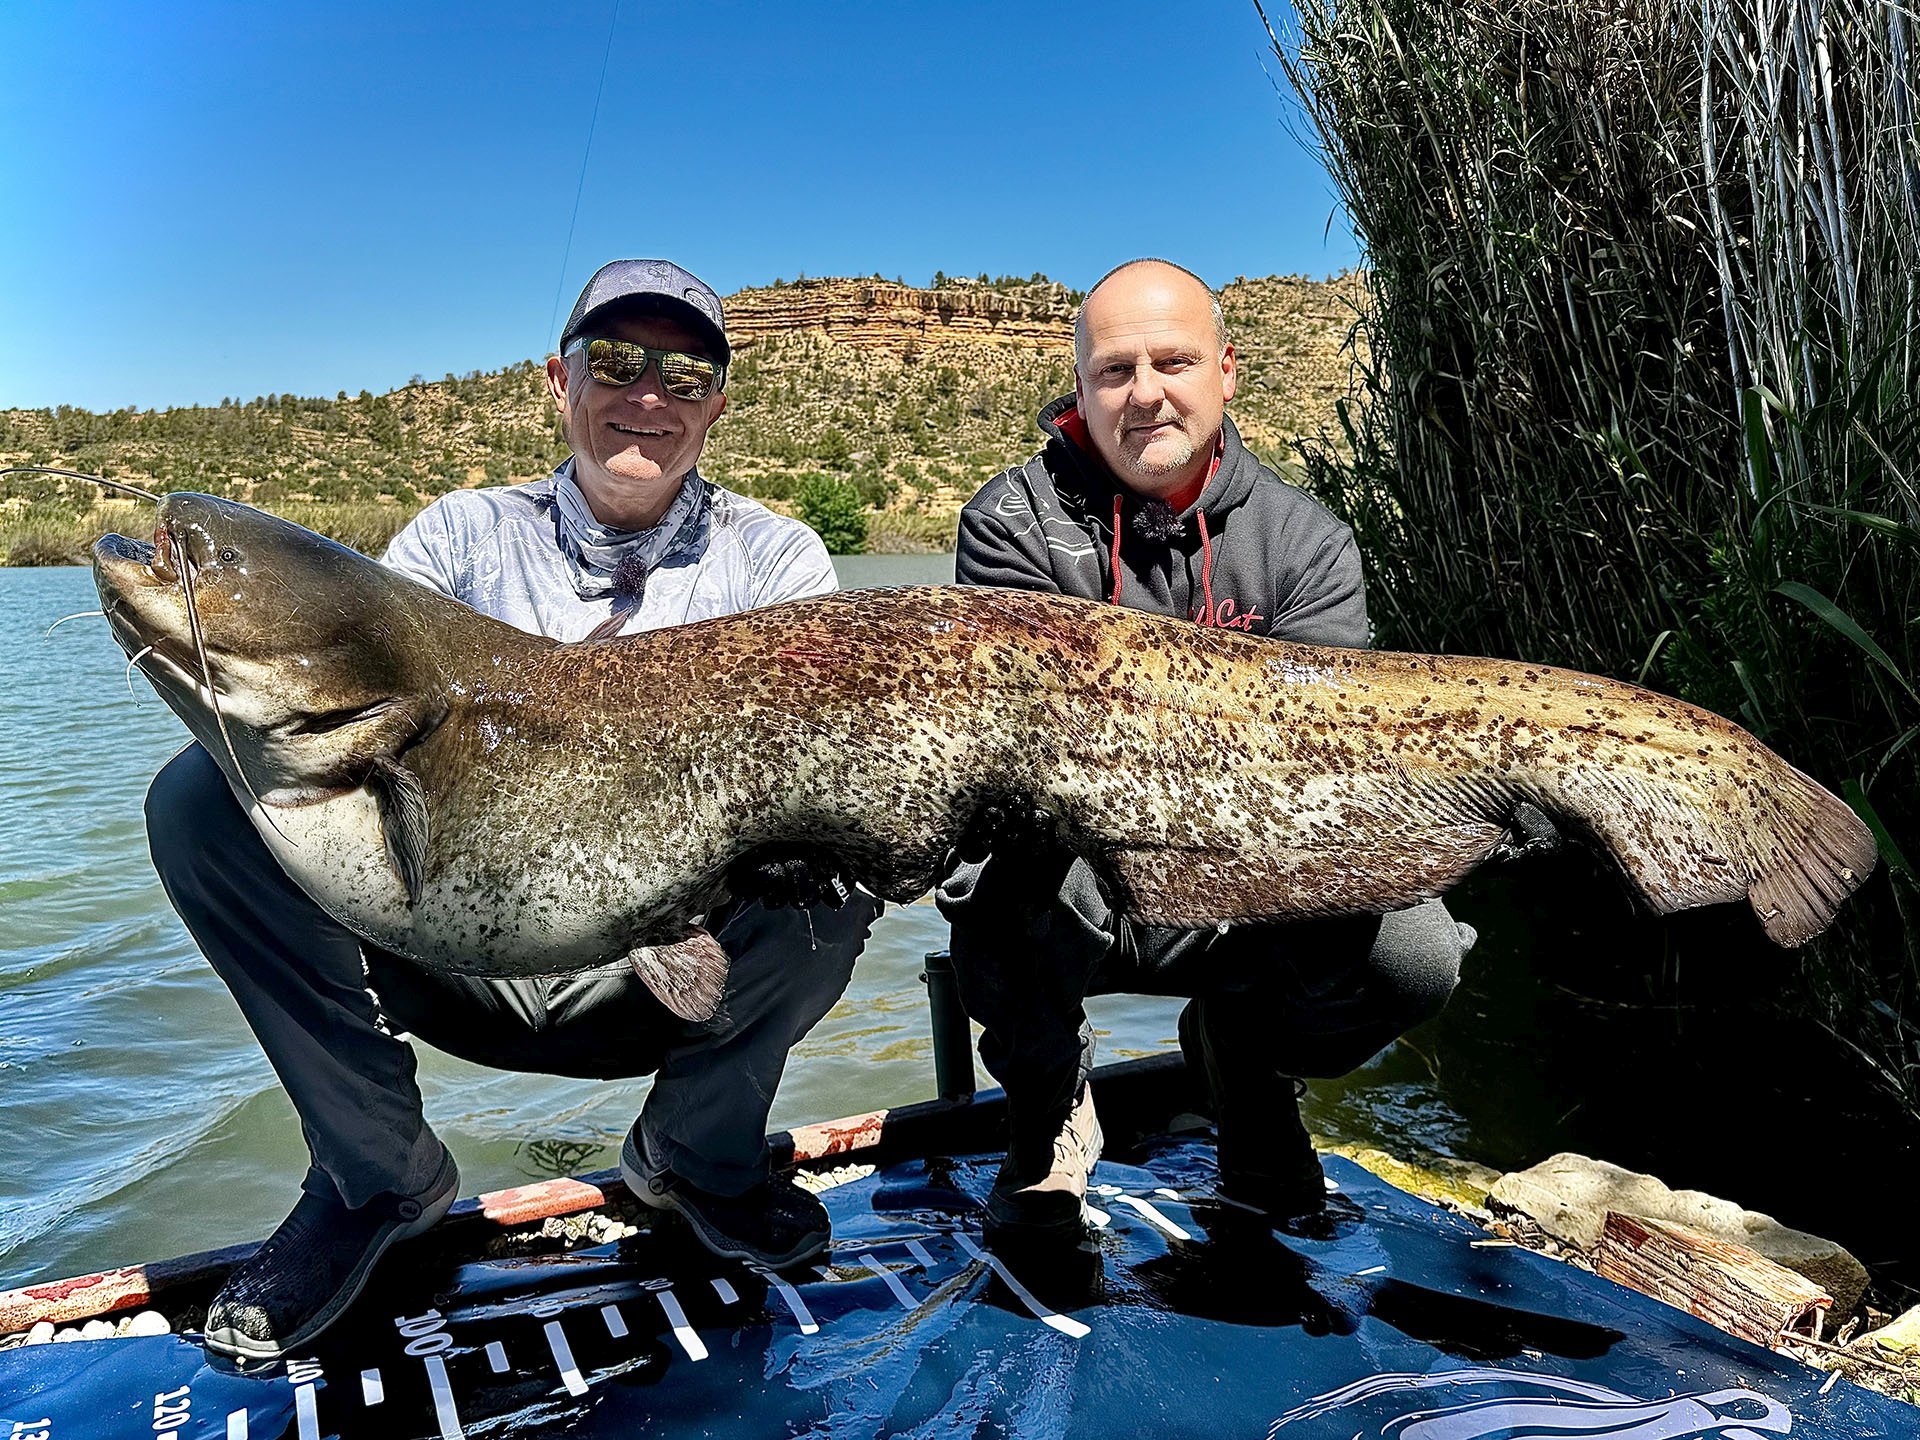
(1185, 1316)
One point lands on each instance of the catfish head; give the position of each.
(302, 666)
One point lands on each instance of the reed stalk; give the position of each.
(1637, 379)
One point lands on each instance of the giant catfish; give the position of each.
(481, 799)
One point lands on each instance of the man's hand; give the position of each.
(1006, 826)
(1529, 832)
(795, 875)
(1020, 859)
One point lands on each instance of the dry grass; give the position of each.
(63, 534)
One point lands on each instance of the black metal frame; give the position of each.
(953, 1075)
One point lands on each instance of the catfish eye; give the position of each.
(228, 555)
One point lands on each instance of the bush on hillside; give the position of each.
(833, 508)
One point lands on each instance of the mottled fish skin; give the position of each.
(581, 800)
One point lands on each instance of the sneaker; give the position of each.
(315, 1265)
(774, 1224)
(1050, 1208)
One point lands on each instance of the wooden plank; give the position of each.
(1729, 1286)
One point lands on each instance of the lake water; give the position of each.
(139, 1120)
(137, 1117)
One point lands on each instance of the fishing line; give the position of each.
(566, 256)
(132, 490)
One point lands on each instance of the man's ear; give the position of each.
(721, 408)
(557, 382)
(1079, 399)
(1227, 373)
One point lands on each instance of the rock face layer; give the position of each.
(901, 320)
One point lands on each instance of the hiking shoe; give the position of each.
(775, 1223)
(315, 1265)
(1287, 1195)
(1032, 1205)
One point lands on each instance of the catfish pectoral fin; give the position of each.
(403, 822)
(686, 976)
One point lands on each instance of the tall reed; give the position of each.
(1637, 383)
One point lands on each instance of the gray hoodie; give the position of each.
(1253, 553)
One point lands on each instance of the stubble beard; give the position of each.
(1169, 461)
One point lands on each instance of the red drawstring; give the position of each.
(1115, 598)
(1206, 567)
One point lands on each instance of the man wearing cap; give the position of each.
(1144, 496)
(625, 536)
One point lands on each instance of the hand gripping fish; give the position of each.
(488, 801)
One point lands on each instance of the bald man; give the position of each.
(1144, 496)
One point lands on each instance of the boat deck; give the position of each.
(1186, 1316)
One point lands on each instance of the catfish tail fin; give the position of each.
(1755, 829)
(1824, 853)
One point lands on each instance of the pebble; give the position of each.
(148, 1322)
(97, 1330)
(40, 1334)
(60, 1337)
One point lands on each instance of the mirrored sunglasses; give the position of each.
(621, 362)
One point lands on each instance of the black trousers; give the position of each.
(1267, 1002)
(327, 1009)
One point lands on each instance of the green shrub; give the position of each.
(833, 508)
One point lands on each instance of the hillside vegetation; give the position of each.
(913, 395)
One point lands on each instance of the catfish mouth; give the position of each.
(123, 568)
(142, 593)
(131, 565)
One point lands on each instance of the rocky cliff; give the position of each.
(916, 395)
(902, 320)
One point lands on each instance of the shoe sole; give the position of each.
(711, 1240)
(235, 1345)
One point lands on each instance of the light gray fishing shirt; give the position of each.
(498, 549)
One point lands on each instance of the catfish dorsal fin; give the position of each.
(403, 822)
(686, 976)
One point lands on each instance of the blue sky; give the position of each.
(233, 199)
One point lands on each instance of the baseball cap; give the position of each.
(685, 295)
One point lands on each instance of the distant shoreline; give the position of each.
(48, 536)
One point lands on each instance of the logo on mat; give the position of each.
(1514, 1405)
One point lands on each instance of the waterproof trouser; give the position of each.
(1313, 998)
(328, 1009)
